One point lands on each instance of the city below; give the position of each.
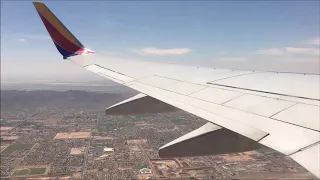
(66, 135)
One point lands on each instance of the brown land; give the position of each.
(6, 128)
(3, 147)
(237, 158)
(136, 142)
(144, 176)
(143, 124)
(72, 135)
(277, 175)
(76, 175)
(134, 148)
(165, 167)
(9, 138)
(76, 151)
(103, 138)
(166, 164)
(251, 152)
(172, 168)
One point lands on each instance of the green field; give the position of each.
(13, 147)
(37, 171)
(29, 171)
(21, 172)
(4, 155)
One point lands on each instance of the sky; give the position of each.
(260, 35)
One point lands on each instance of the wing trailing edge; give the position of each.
(139, 104)
(209, 139)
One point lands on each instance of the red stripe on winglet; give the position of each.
(58, 37)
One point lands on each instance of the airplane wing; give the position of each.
(243, 108)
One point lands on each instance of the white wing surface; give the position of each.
(278, 110)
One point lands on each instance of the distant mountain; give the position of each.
(64, 86)
(15, 100)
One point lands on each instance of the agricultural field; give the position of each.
(37, 171)
(14, 147)
(4, 155)
(21, 172)
(29, 171)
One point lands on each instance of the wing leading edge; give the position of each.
(278, 110)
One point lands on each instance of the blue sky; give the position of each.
(246, 34)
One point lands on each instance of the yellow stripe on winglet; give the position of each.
(45, 12)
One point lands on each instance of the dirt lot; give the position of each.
(76, 151)
(144, 176)
(73, 135)
(102, 138)
(9, 138)
(5, 128)
(277, 175)
(134, 148)
(251, 152)
(167, 167)
(76, 175)
(165, 164)
(136, 142)
(143, 124)
(241, 157)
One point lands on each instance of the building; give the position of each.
(145, 171)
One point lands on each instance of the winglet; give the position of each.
(67, 44)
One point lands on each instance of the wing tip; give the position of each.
(37, 2)
(38, 5)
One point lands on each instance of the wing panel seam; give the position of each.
(235, 76)
(233, 99)
(283, 110)
(181, 80)
(112, 70)
(301, 97)
(304, 148)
